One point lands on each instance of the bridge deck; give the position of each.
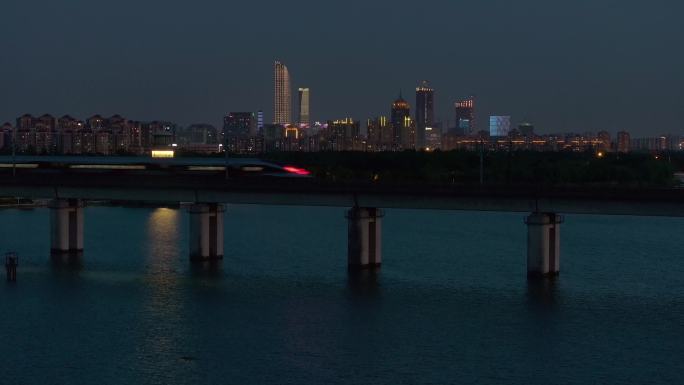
(159, 187)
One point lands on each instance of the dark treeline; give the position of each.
(553, 169)
(557, 169)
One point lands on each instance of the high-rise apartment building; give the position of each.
(239, 124)
(282, 111)
(238, 127)
(6, 134)
(400, 115)
(465, 117)
(651, 144)
(200, 134)
(425, 115)
(623, 142)
(344, 135)
(407, 134)
(433, 137)
(604, 140)
(379, 134)
(304, 116)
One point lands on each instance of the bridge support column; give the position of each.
(66, 226)
(364, 247)
(206, 231)
(543, 244)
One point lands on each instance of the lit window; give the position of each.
(162, 153)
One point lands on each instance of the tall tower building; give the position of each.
(425, 113)
(401, 110)
(282, 111)
(465, 117)
(304, 117)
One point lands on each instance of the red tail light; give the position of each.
(297, 170)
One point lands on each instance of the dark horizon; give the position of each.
(580, 66)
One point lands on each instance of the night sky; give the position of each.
(580, 65)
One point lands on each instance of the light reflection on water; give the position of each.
(451, 303)
(163, 303)
(163, 227)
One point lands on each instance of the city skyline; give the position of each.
(464, 112)
(411, 123)
(528, 60)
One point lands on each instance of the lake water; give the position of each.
(451, 304)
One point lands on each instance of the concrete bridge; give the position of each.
(207, 194)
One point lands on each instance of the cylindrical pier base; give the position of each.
(66, 226)
(11, 263)
(364, 246)
(543, 244)
(206, 231)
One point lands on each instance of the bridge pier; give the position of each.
(66, 226)
(543, 244)
(206, 231)
(364, 246)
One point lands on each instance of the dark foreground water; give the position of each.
(451, 304)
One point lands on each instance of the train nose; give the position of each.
(296, 170)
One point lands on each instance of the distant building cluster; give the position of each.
(96, 135)
(247, 133)
(403, 130)
(524, 138)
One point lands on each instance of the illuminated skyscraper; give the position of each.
(282, 113)
(425, 115)
(499, 125)
(304, 117)
(399, 117)
(465, 117)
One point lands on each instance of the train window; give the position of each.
(252, 168)
(18, 165)
(206, 168)
(108, 166)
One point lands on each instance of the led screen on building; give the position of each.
(499, 125)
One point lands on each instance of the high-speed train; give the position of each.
(236, 167)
